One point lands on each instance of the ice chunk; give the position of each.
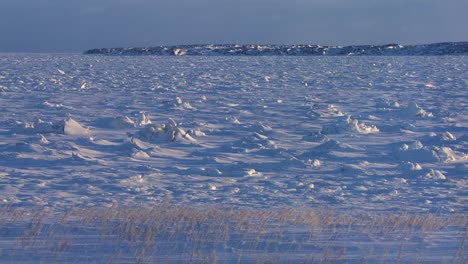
(140, 154)
(446, 155)
(122, 122)
(448, 136)
(68, 127)
(386, 104)
(347, 124)
(435, 175)
(416, 152)
(410, 166)
(316, 137)
(169, 132)
(253, 173)
(413, 110)
(71, 127)
(180, 52)
(433, 138)
(144, 120)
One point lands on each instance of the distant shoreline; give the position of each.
(434, 49)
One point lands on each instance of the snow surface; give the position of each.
(242, 131)
(362, 134)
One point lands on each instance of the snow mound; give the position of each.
(67, 127)
(135, 181)
(347, 124)
(447, 155)
(233, 120)
(261, 128)
(435, 175)
(327, 147)
(144, 119)
(196, 132)
(81, 157)
(43, 140)
(410, 166)
(122, 122)
(414, 110)
(332, 145)
(52, 105)
(26, 147)
(179, 104)
(434, 138)
(255, 142)
(447, 136)
(353, 169)
(252, 173)
(138, 149)
(71, 127)
(169, 132)
(116, 122)
(417, 152)
(386, 104)
(202, 171)
(410, 169)
(315, 137)
(140, 154)
(315, 163)
(329, 110)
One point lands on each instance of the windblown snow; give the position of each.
(363, 133)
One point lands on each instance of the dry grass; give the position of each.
(170, 233)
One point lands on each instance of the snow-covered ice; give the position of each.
(218, 114)
(361, 134)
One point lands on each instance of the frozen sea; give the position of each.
(245, 159)
(367, 133)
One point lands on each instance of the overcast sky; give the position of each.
(77, 25)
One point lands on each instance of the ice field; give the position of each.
(358, 135)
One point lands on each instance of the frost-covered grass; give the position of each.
(169, 233)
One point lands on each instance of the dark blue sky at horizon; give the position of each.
(77, 25)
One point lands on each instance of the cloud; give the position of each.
(57, 25)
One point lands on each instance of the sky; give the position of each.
(77, 25)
